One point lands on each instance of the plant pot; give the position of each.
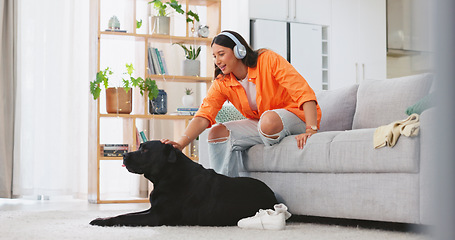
(160, 25)
(191, 67)
(159, 104)
(119, 101)
(188, 100)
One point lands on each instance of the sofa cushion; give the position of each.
(335, 152)
(286, 157)
(338, 108)
(380, 102)
(353, 151)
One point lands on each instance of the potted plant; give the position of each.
(191, 66)
(119, 99)
(113, 24)
(161, 22)
(188, 99)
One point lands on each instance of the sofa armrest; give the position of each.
(428, 119)
(428, 140)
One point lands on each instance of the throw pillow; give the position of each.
(380, 102)
(228, 113)
(423, 104)
(338, 108)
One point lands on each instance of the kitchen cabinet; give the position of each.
(262, 37)
(358, 41)
(303, 11)
(301, 44)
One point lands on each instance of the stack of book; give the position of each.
(156, 63)
(189, 111)
(113, 150)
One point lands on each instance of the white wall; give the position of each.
(235, 16)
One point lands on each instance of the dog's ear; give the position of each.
(171, 153)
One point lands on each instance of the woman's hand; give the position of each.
(303, 138)
(311, 114)
(174, 144)
(194, 128)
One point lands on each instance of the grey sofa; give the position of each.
(339, 174)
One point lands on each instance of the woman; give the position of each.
(276, 100)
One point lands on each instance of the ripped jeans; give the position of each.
(227, 155)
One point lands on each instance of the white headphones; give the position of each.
(239, 49)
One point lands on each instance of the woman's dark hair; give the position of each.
(251, 58)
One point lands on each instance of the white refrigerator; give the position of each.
(300, 44)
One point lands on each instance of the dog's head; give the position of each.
(150, 159)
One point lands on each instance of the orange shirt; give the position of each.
(278, 85)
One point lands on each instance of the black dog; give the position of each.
(185, 193)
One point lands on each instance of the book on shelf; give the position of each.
(157, 64)
(114, 153)
(187, 111)
(113, 150)
(150, 62)
(138, 140)
(164, 62)
(143, 137)
(114, 146)
(115, 30)
(160, 62)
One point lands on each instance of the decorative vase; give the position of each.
(188, 100)
(160, 25)
(114, 23)
(158, 105)
(191, 67)
(118, 100)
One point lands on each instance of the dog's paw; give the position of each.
(104, 222)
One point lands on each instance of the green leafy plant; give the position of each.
(190, 53)
(101, 77)
(188, 91)
(148, 84)
(192, 16)
(131, 81)
(161, 9)
(138, 24)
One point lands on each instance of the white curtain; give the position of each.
(7, 96)
(50, 148)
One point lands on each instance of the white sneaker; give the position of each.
(267, 219)
(281, 208)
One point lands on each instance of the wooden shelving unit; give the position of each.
(213, 8)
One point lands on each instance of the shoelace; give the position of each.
(261, 211)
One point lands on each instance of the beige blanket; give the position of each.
(388, 135)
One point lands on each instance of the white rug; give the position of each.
(18, 224)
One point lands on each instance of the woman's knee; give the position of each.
(271, 123)
(218, 133)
